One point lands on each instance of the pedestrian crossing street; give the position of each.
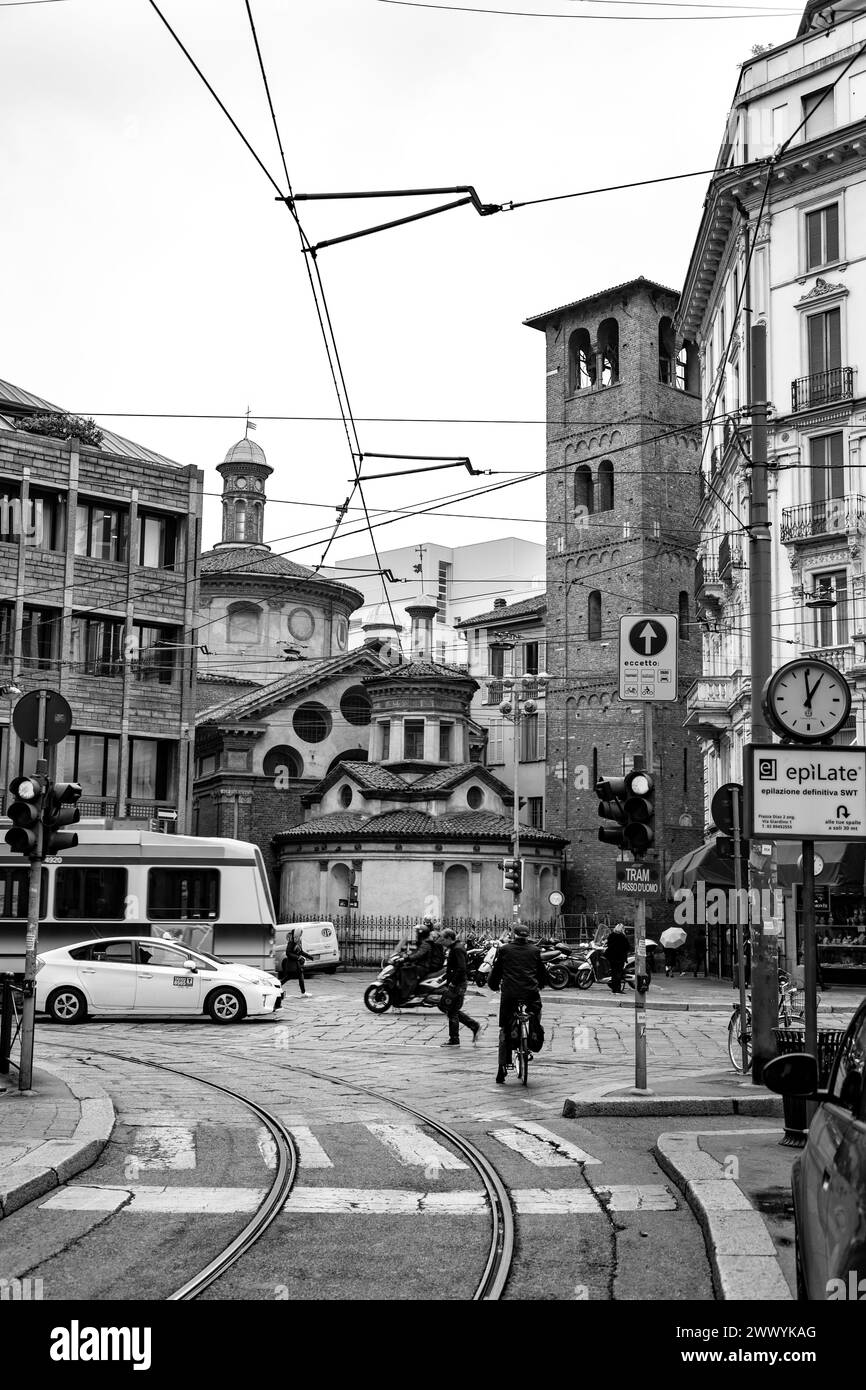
(172, 1148)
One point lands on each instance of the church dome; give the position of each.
(244, 452)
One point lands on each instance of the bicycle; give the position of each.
(792, 1007)
(524, 1055)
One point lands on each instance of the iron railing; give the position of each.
(830, 517)
(821, 388)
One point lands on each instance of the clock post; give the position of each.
(806, 702)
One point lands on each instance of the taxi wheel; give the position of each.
(66, 1005)
(226, 1006)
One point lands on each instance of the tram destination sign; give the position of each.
(805, 793)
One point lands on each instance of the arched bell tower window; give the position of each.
(608, 351)
(593, 630)
(667, 351)
(581, 362)
(604, 492)
(685, 621)
(583, 489)
(240, 520)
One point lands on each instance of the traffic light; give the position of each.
(25, 813)
(61, 808)
(512, 874)
(725, 848)
(630, 803)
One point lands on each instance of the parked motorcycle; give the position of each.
(475, 961)
(594, 968)
(555, 957)
(396, 987)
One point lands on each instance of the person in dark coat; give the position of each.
(292, 964)
(617, 952)
(519, 969)
(456, 977)
(700, 950)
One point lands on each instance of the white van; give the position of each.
(317, 939)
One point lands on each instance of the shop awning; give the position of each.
(703, 864)
(844, 863)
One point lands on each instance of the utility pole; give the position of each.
(765, 1001)
(28, 1005)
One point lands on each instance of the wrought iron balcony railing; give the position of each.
(821, 388)
(832, 517)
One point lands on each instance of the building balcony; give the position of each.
(711, 701)
(822, 388)
(730, 557)
(707, 581)
(817, 520)
(840, 657)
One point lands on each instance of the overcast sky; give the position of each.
(148, 268)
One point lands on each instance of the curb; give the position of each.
(55, 1161)
(740, 1248)
(574, 1108)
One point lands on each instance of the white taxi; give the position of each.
(143, 975)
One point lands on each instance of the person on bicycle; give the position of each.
(519, 970)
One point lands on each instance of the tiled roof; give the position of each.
(536, 604)
(463, 825)
(111, 443)
(424, 670)
(443, 777)
(374, 776)
(238, 559)
(601, 294)
(306, 673)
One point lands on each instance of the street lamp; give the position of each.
(12, 691)
(515, 707)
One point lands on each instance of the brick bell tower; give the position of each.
(623, 451)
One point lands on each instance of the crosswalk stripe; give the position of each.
(372, 1201)
(310, 1152)
(541, 1146)
(413, 1148)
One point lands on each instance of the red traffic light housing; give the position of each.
(25, 813)
(61, 808)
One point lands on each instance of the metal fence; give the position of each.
(368, 940)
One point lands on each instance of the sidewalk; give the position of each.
(685, 993)
(49, 1134)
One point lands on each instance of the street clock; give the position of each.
(806, 700)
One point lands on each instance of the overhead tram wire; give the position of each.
(306, 247)
(330, 345)
(760, 13)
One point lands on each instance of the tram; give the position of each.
(212, 894)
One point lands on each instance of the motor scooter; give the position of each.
(595, 969)
(396, 987)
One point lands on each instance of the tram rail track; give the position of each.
(497, 1265)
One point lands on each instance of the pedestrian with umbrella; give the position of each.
(672, 940)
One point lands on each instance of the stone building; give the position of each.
(800, 243)
(623, 405)
(98, 548)
(259, 609)
(419, 828)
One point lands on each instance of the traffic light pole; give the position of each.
(515, 832)
(640, 1069)
(28, 1007)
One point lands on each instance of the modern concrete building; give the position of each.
(622, 458)
(98, 553)
(798, 226)
(463, 579)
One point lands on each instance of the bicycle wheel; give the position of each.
(735, 1040)
(523, 1054)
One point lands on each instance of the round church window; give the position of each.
(475, 798)
(301, 623)
(312, 722)
(341, 633)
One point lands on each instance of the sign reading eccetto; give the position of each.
(805, 793)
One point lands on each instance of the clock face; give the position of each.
(240, 483)
(807, 700)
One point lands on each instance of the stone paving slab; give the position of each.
(57, 1129)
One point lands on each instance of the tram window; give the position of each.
(98, 892)
(14, 890)
(182, 894)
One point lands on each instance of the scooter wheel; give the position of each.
(557, 976)
(377, 999)
(585, 979)
(480, 977)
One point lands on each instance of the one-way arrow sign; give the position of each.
(648, 657)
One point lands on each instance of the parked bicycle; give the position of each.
(792, 1009)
